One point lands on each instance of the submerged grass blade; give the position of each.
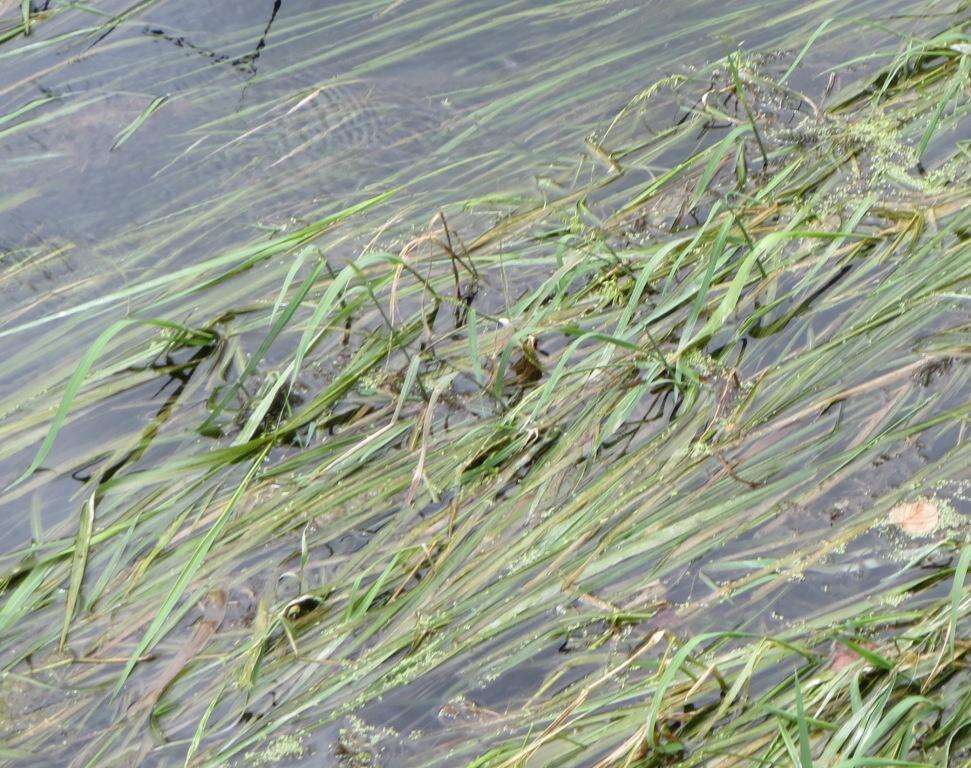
(135, 124)
(188, 572)
(484, 459)
(78, 563)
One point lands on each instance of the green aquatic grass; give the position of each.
(622, 460)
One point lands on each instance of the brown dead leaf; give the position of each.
(463, 710)
(213, 607)
(916, 518)
(842, 656)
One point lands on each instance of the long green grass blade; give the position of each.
(81, 545)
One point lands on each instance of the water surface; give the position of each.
(189, 129)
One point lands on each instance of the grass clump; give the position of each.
(611, 472)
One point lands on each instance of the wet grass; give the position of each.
(619, 479)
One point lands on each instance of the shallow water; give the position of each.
(275, 112)
(337, 100)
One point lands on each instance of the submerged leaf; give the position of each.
(81, 545)
(916, 518)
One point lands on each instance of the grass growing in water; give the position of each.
(612, 482)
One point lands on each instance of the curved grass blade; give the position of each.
(77, 379)
(135, 124)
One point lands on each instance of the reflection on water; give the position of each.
(290, 103)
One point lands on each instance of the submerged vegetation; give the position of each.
(666, 466)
